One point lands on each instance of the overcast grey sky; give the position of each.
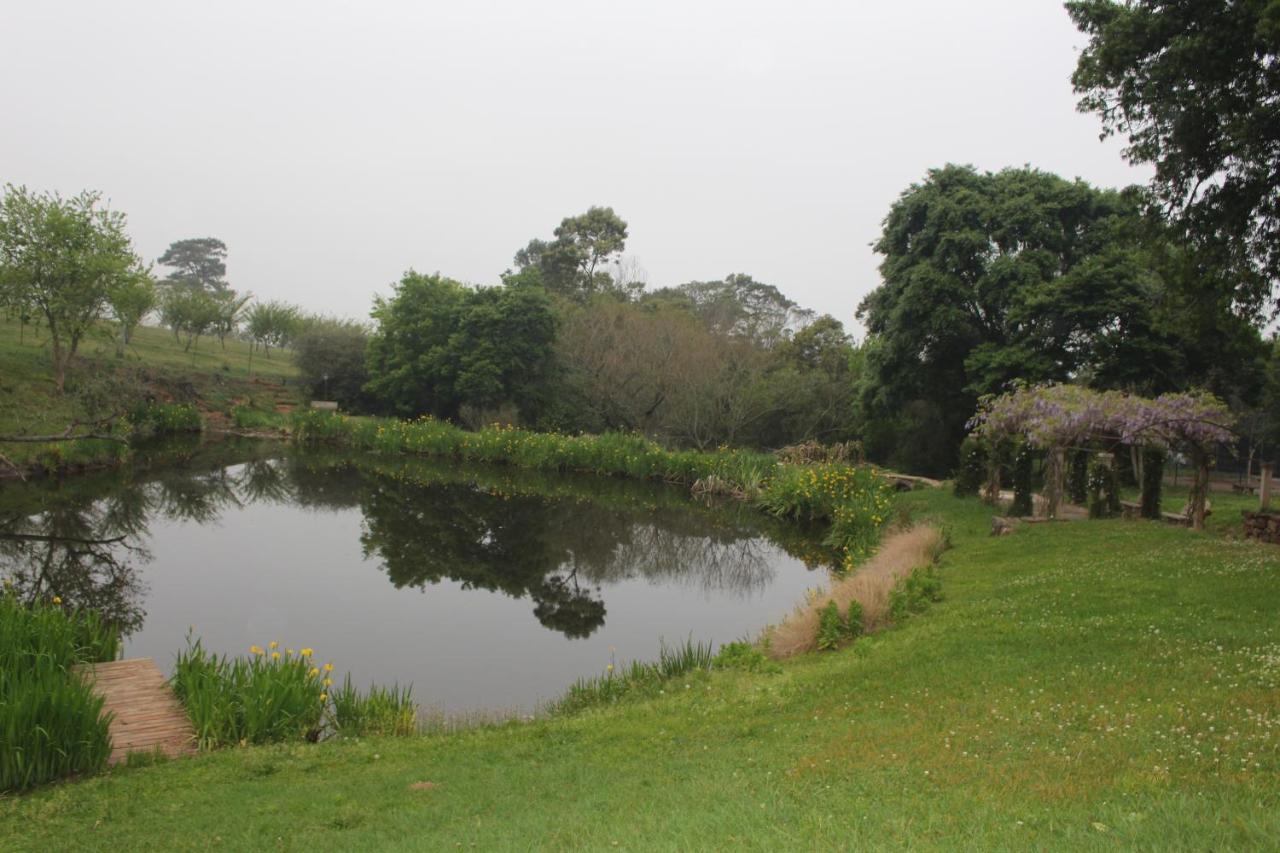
(334, 145)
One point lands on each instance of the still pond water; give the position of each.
(485, 587)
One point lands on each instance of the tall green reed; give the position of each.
(637, 677)
(271, 695)
(51, 723)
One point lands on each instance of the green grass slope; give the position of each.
(1084, 685)
(214, 378)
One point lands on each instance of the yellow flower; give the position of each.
(306, 653)
(255, 650)
(324, 696)
(328, 682)
(275, 656)
(313, 672)
(288, 653)
(328, 667)
(273, 645)
(57, 599)
(609, 668)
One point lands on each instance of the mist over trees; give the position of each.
(987, 280)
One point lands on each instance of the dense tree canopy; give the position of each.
(739, 306)
(330, 355)
(1195, 86)
(440, 345)
(573, 264)
(198, 262)
(1020, 274)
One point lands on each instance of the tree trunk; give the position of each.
(1055, 467)
(991, 490)
(1199, 487)
(59, 364)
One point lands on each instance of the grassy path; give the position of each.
(1086, 685)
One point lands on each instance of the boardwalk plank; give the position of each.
(147, 714)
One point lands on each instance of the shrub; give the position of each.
(972, 473)
(1023, 460)
(740, 655)
(853, 620)
(854, 500)
(165, 418)
(831, 628)
(51, 723)
(914, 593)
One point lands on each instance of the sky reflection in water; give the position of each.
(485, 587)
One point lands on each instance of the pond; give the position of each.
(487, 588)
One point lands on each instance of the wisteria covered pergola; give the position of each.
(1054, 418)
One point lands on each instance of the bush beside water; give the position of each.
(51, 723)
(165, 418)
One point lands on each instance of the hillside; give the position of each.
(1083, 685)
(213, 378)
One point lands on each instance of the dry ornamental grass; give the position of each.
(899, 555)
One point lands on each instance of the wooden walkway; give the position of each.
(147, 714)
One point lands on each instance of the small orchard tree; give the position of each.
(230, 310)
(188, 311)
(60, 258)
(271, 324)
(131, 298)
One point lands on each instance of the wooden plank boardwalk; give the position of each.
(147, 714)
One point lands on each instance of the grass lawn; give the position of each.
(217, 379)
(1084, 685)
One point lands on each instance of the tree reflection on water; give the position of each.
(556, 540)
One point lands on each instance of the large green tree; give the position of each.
(990, 277)
(131, 298)
(330, 355)
(1195, 87)
(738, 306)
(198, 262)
(440, 345)
(60, 260)
(573, 264)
